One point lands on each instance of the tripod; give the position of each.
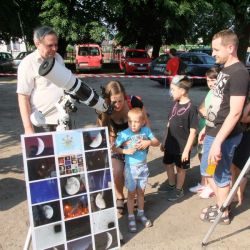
(227, 201)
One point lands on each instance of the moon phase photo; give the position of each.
(101, 200)
(81, 244)
(41, 168)
(96, 160)
(106, 240)
(73, 185)
(94, 139)
(38, 146)
(46, 213)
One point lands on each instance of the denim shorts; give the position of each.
(222, 175)
(136, 176)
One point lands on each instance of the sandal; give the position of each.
(120, 206)
(144, 221)
(210, 209)
(209, 216)
(132, 225)
(224, 220)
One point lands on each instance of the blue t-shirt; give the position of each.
(140, 156)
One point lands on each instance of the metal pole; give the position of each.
(28, 239)
(227, 201)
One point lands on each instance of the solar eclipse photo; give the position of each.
(94, 139)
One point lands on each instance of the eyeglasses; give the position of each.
(50, 46)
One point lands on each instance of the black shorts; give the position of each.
(242, 152)
(176, 159)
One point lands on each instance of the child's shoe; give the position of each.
(206, 193)
(197, 188)
(132, 224)
(144, 220)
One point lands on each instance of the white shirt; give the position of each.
(43, 93)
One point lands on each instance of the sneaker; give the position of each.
(206, 193)
(197, 188)
(165, 187)
(176, 195)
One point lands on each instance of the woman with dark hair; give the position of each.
(114, 93)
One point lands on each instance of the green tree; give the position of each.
(74, 21)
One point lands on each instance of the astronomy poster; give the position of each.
(70, 190)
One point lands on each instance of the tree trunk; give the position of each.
(62, 45)
(156, 50)
(243, 31)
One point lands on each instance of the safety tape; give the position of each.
(117, 76)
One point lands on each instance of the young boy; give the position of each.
(179, 136)
(204, 190)
(135, 141)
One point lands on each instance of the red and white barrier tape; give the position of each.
(117, 76)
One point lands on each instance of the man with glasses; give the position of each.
(35, 93)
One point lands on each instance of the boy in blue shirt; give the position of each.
(133, 142)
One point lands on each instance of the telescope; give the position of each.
(74, 89)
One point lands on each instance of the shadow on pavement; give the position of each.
(12, 192)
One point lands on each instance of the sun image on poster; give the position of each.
(70, 190)
(75, 207)
(68, 142)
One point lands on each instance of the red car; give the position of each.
(135, 61)
(88, 57)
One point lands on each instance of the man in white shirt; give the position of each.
(36, 93)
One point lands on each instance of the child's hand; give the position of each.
(129, 151)
(162, 148)
(184, 156)
(142, 144)
(201, 136)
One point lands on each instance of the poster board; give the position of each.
(70, 190)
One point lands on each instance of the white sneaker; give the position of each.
(206, 193)
(197, 188)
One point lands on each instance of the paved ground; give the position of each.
(176, 225)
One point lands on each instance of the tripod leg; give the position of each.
(28, 239)
(227, 201)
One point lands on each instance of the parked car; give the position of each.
(202, 50)
(135, 61)
(158, 67)
(6, 62)
(19, 58)
(192, 64)
(88, 57)
(195, 63)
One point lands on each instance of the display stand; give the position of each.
(227, 202)
(70, 190)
